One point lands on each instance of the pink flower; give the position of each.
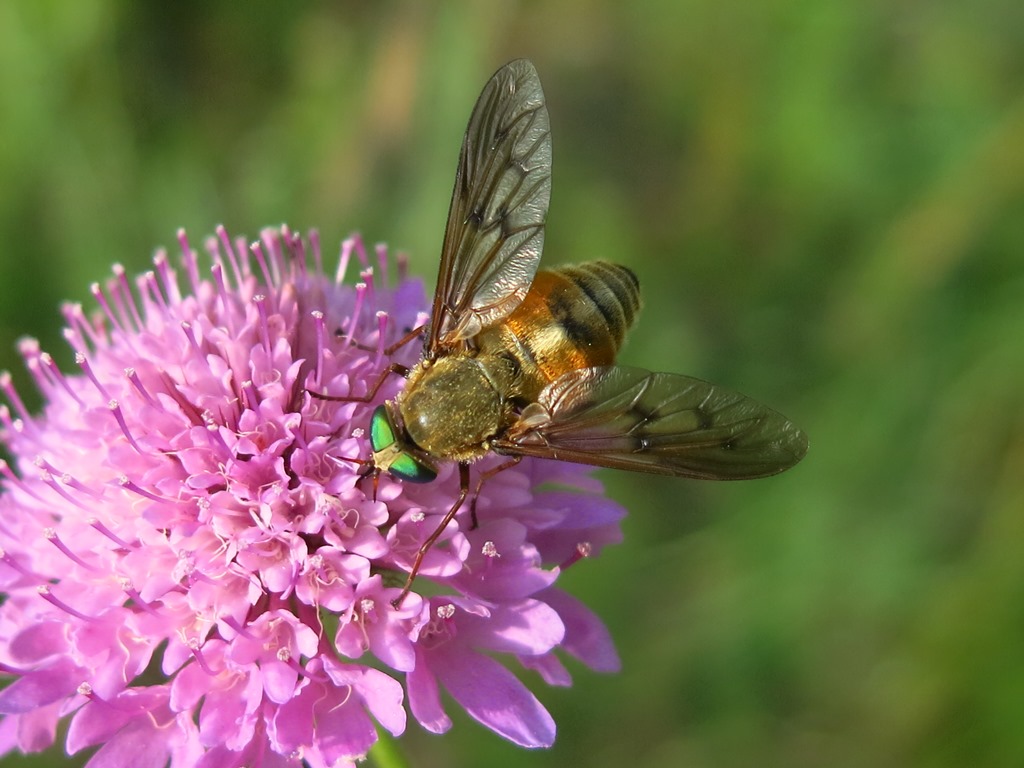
(196, 570)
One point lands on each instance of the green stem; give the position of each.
(385, 753)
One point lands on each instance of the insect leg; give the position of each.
(366, 464)
(484, 477)
(402, 370)
(418, 330)
(418, 561)
(398, 368)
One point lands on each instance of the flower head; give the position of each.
(196, 569)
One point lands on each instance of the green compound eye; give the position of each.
(404, 465)
(382, 434)
(407, 468)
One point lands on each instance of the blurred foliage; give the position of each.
(825, 204)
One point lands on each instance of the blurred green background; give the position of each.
(825, 205)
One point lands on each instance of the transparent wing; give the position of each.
(661, 423)
(495, 230)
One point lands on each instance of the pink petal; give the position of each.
(279, 681)
(33, 731)
(9, 727)
(41, 687)
(383, 696)
(392, 646)
(529, 627)
(343, 731)
(137, 745)
(586, 636)
(257, 753)
(39, 641)
(189, 686)
(425, 698)
(548, 666)
(227, 715)
(494, 697)
(99, 720)
(382, 693)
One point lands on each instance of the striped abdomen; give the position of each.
(574, 316)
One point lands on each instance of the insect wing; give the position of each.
(660, 423)
(495, 231)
